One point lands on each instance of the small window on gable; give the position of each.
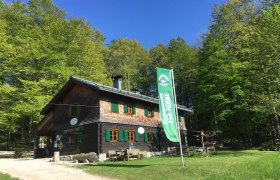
(129, 108)
(149, 112)
(74, 111)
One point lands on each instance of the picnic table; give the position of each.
(132, 154)
(121, 154)
(124, 154)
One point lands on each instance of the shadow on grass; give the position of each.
(221, 153)
(118, 165)
(238, 153)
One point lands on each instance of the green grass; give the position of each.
(6, 177)
(249, 164)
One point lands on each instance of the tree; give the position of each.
(39, 49)
(180, 57)
(183, 59)
(125, 57)
(221, 95)
(265, 71)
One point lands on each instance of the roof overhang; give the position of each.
(74, 80)
(45, 125)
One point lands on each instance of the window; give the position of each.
(149, 136)
(74, 111)
(131, 136)
(149, 112)
(79, 138)
(114, 107)
(111, 135)
(74, 137)
(114, 134)
(129, 108)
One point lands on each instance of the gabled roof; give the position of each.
(105, 88)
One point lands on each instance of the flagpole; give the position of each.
(177, 118)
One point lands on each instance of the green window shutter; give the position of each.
(136, 136)
(120, 135)
(125, 108)
(146, 112)
(79, 137)
(153, 113)
(107, 135)
(125, 136)
(74, 110)
(155, 136)
(64, 138)
(134, 109)
(146, 137)
(115, 107)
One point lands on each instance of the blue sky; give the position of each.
(150, 22)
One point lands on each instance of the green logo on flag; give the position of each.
(166, 104)
(163, 80)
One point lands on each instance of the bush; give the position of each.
(199, 154)
(268, 146)
(18, 154)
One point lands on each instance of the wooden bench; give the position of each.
(112, 155)
(171, 151)
(132, 154)
(211, 145)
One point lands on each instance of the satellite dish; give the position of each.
(73, 121)
(141, 130)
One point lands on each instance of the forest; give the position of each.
(231, 78)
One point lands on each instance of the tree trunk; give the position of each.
(276, 124)
(215, 119)
(29, 133)
(8, 139)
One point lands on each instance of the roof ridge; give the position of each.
(124, 92)
(110, 87)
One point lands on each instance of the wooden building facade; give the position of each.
(88, 117)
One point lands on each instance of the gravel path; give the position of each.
(35, 169)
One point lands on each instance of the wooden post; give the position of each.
(202, 141)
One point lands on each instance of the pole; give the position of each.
(177, 121)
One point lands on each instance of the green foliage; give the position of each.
(237, 88)
(265, 68)
(176, 55)
(268, 146)
(39, 49)
(6, 177)
(124, 57)
(231, 82)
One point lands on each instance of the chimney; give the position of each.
(117, 82)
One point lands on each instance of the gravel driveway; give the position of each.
(34, 169)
